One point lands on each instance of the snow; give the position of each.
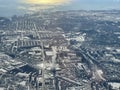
(115, 85)
(119, 37)
(2, 70)
(2, 88)
(115, 60)
(100, 72)
(108, 48)
(49, 53)
(118, 50)
(118, 33)
(23, 83)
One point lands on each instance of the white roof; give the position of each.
(2, 70)
(22, 83)
(1, 88)
(36, 49)
(115, 85)
(49, 53)
(22, 74)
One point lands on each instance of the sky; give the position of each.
(75, 4)
(97, 4)
(9, 7)
(81, 4)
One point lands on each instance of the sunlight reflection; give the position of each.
(47, 2)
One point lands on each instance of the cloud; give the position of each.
(36, 5)
(33, 8)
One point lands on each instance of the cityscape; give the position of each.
(60, 50)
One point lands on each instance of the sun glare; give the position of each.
(46, 2)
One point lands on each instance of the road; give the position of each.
(96, 75)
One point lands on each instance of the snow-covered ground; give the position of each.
(115, 60)
(115, 86)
